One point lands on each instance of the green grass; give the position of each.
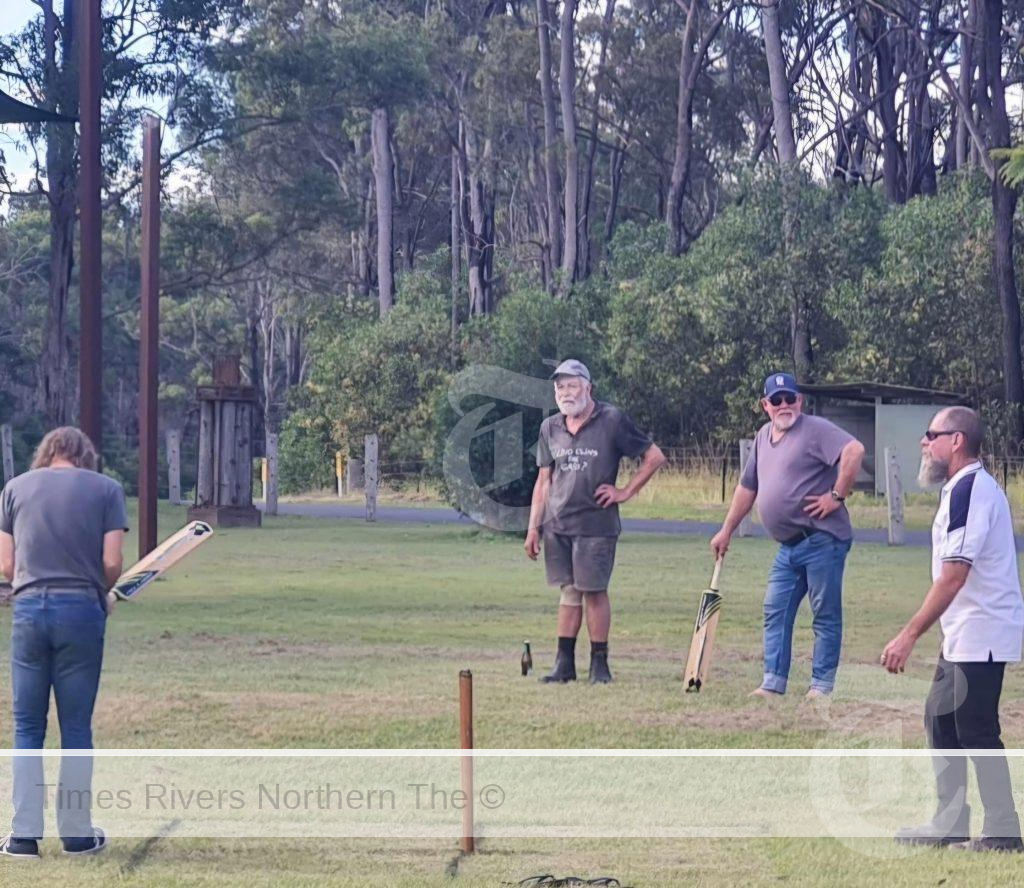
(338, 634)
(696, 496)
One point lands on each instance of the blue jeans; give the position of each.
(813, 567)
(56, 642)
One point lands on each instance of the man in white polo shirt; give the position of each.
(976, 597)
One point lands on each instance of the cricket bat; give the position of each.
(699, 660)
(164, 556)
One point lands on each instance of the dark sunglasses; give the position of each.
(932, 435)
(776, 400)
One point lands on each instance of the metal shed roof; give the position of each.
(871, 391)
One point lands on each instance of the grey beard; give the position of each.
(783, 425)
(580, 407)
(932, 472)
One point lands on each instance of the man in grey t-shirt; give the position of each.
(575, 502)
(800, 473)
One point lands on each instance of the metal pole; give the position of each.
(149, 322)
(90, 350)
(466, 738)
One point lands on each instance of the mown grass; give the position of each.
(320, 634)
(695, 495)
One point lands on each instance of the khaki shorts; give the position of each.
(580, 561)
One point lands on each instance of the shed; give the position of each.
(879, 416)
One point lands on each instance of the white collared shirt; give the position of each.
(973, 526)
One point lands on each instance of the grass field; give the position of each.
(697, 496)
(333, 635)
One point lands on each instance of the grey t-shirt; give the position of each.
(581, 463)
(804, 462)
(58, 518)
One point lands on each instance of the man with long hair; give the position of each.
(62, 530)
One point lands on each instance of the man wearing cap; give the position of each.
(800, 472)
(576, 508)
(975, 596)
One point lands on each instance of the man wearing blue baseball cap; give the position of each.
(800, 472)
(575, 508)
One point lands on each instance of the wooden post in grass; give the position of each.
(466, 740)
(173, 439)
(270, 478)
(7, 444)
(371, 476)
(746, 451)
(894, 497)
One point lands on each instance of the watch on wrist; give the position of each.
(837, 497)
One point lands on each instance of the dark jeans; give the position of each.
(56, 642)
(962, 712)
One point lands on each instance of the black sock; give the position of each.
(567, 646)
(598, 647)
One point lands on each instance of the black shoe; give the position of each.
(934, 834)
(564, 671)
(23, 849)
(90, 845)
(1008, 844)
(599, 672)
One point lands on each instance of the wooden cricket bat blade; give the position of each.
(701, 646)
(163, 557)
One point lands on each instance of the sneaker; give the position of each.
(92, 845)
(23, 849)
(1008, 844)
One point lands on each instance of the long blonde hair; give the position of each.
(66, 443)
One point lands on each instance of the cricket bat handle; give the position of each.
(718, 570)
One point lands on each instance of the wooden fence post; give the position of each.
(371, 476)
(894, 497)
(746, 450)
(7, 444)
(173, 441)
(270, 490)
(339, 471)
(466, 741)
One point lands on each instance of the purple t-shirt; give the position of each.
(803, 462)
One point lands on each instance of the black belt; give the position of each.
(800, 537)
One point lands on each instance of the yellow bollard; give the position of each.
(339, 471)
(263, 475)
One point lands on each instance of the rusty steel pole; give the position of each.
(466, 738)
(149, 325)
(90, 346)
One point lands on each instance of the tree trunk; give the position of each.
(567, 94)
(1004, 203)
(456, 249)
(62, 185)
(778, 80)
(966, 78)
(684, 133)
(616, 161)
(382, 174)
(586, 246)
(547, 96)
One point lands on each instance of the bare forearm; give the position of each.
(653, 460)
(742, 502)
(939, 597)
(849, 466)
(538, 503)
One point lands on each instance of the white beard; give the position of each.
(575, 407)
(782, 424)
(932, 471)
